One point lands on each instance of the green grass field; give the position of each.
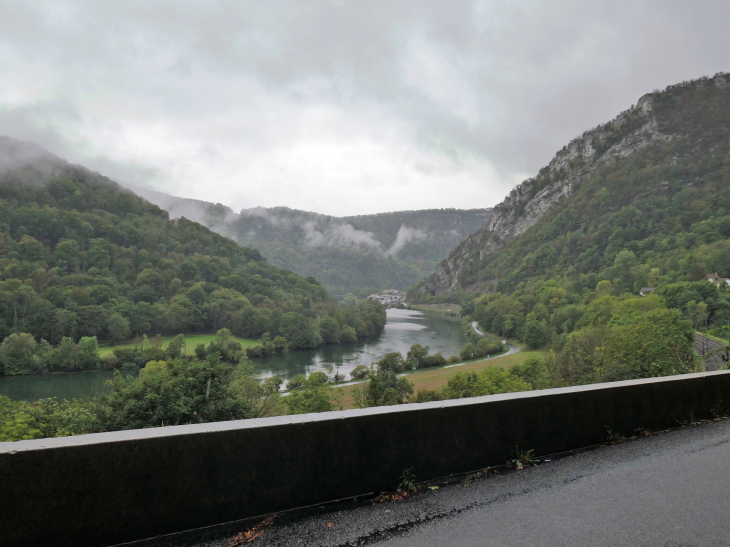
(433, 379)
(446, 309)
(190, 342)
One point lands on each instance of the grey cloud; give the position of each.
(506, 83)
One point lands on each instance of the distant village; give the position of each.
(389, 298)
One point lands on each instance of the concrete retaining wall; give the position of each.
(110, 488)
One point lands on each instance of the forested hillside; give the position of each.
(357, 254)
(653, 182)
(81, 256)
(643, 201)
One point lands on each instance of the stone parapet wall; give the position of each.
(110, 488)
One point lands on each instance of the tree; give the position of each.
(173, 393)
(488, 347)
(383, 388)
(468, 352)
(118, 327)
(98, 254)
(89, 348)
(248, 388)
(272, 384)
(392, 361)
(16, 300)
(66, 253)
(535, 333)
(623, 263)
(317, 379)
(435, 360)
(19, 427)
(296, 382)
(19, 354)
(328, 330)
(176, 346)
(280, 343)
(347, 335)
(67, 356)
(416, 356)
(31, 249)
(489, 381)
(697, 314)
(359, 372)
(300, 331)
(532, 371)
(311, 399)
(657, 344)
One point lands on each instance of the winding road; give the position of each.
(510, 348)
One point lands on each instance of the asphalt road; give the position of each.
(671, 489)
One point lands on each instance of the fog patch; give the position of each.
(348, 233)
(338, 235)
(260, 212)
(15, 154)
(405, 235)
(312, 236)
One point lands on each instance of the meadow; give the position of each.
(434, 379)
(190, 342)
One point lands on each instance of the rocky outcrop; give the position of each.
(630, 131)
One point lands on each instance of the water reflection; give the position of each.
(69, 385)
(403, 329)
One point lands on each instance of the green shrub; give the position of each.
(359, 372)
(296, 382)
(317, 379)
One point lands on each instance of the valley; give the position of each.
(403, 329)
(598, 266)
(355, 254)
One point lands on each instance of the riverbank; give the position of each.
(191, 341)
(403, 329)
(433, 379)
(453, 310)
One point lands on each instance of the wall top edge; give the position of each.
(257, 423)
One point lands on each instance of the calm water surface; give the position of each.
(403, 329)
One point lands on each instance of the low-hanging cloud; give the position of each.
(336, 106)
(336, 234)
(404, 236)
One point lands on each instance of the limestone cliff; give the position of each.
(630, 131)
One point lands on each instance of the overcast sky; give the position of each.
(336, 106)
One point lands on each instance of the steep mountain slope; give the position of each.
(80, 256)
(655, 181)
(346, 254)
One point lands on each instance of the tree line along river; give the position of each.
(402, 329)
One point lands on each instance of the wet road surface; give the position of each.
(670, 489)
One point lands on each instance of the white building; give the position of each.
(388, 297)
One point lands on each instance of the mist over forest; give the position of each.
(474, 237)
(356, 254)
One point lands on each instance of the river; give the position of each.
(402, 329)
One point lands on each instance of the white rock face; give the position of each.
(527, 203)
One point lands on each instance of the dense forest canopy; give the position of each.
(666, 199)
(358, 254)
(658, 217)
(81, 256)
(668, 205)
